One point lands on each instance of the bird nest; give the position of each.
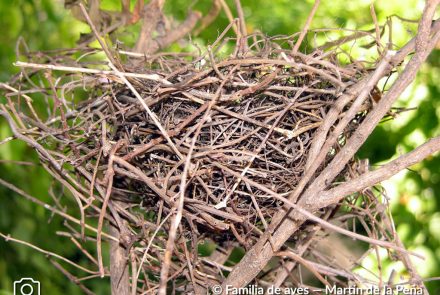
(219, 141)
(232, 129)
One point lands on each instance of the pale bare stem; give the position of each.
(125, 6)
(30, 141)
(283, 273)
(28, 99)
(376, 28)
(79, 198)
(315, 161)
(6, 140)
(71, 277)
(350, 94)
(309, 215)
(224, 202)
(373, 118)
(230, 16)
(109, 179)
(144, 256)
(111, 75)
(149, 112)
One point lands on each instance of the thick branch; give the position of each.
(152, 14)
(118, 265)
(184, 28)
(371, 178)
(263, 251)
(354, 91)
(210, 17)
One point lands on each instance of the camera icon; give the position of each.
(27, 286)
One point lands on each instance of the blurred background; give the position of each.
(414, 193)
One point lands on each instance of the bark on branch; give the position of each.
(119, 275)
(257, 257)
(371, 178)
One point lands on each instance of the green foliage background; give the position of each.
(415, 193)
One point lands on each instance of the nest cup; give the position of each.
(230, 133)
(248, 124)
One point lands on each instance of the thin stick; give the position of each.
(263, 251)
(92, 182)
(149, 112)
(144, 257)
(315, 161)
(224, 202)
(306, 26)
(319, 220)
(109, 177)
(45, 252)
(50, 208)
(98, 37)
(304, 262)
(242, 38)
(27, 98)
(71, 277)
(230, 16)
(376, 27)
(177, 218)
(151, 77)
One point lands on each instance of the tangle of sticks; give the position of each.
(181, 160)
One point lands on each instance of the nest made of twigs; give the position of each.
(231, 134)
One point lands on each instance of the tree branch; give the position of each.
(258, 256)
(119, 275)
(334, 195)
(210, 17)
(184, 28)
(152, 14)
